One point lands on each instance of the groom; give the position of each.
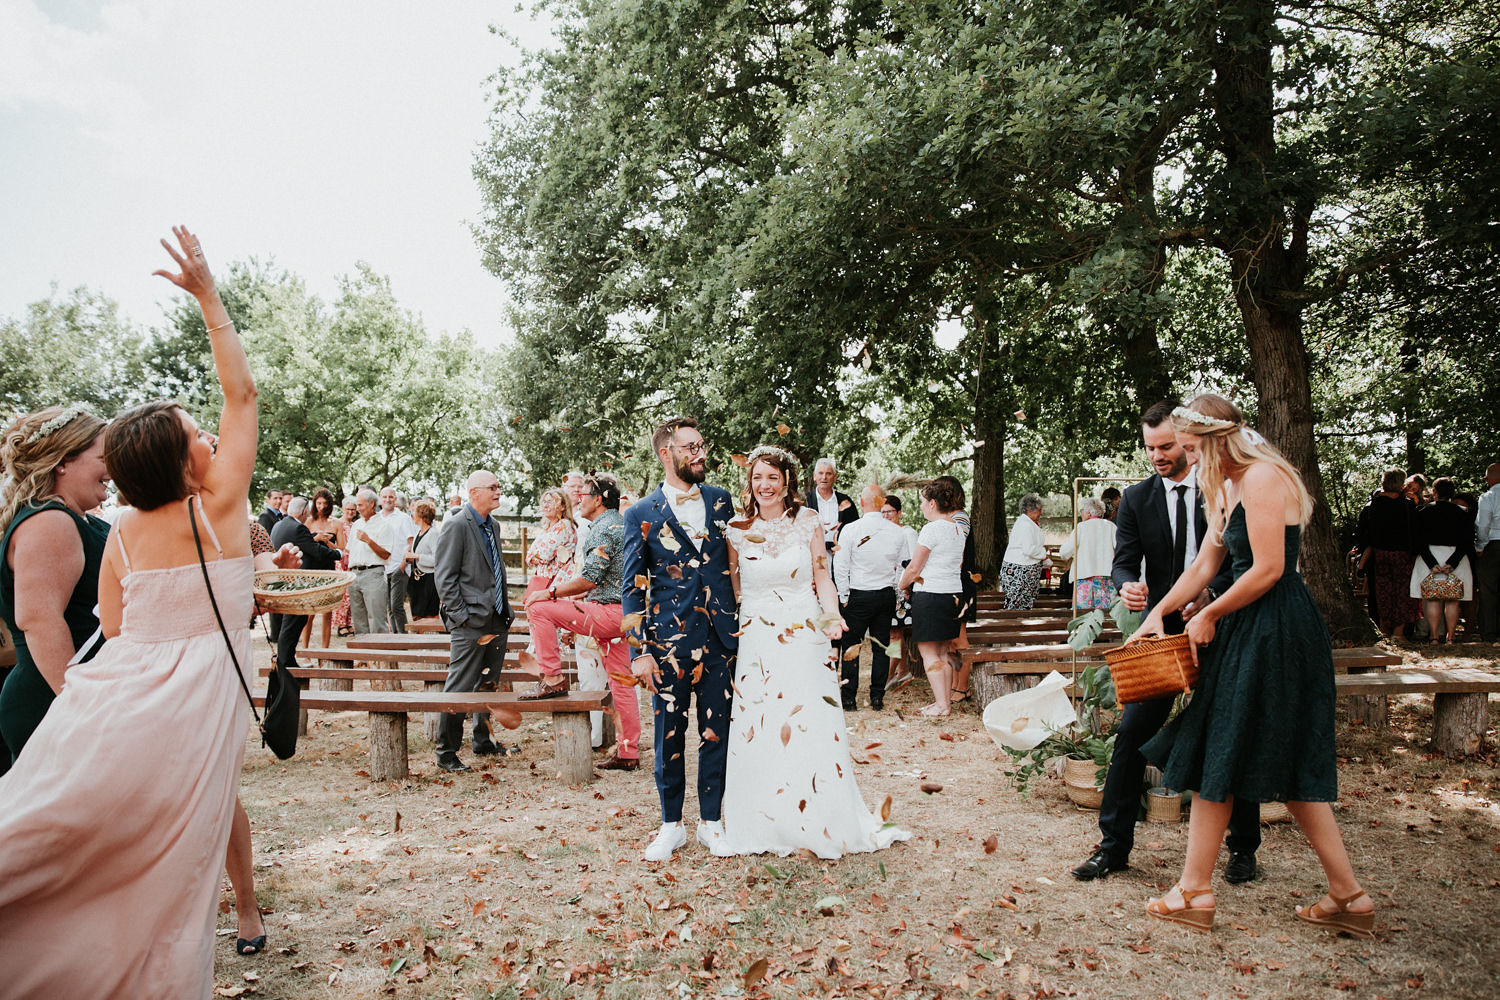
(681, 617)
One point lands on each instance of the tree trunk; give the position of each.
(1458, 723)
(987, 510)
(1266, 239)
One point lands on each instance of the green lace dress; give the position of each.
(25, 696)
(1259, 725)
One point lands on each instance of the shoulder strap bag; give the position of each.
(278, 730)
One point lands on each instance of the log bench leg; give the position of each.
(301, 712)
(1458, 723)
(431, 722)
(570, 743)
(1371, 710)
(388, 746)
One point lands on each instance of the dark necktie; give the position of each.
(494, 557)
(1179, 541)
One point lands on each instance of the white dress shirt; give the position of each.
(828, 512)
(871, 554)
(360, 553)
(1189, 497)
(1487, 520)
(691, 514)
(403, 528)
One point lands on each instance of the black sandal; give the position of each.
(956, 695)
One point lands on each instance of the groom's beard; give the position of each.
(691, 475)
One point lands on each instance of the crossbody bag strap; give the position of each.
(198, 544)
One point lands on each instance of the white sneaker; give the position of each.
(670, 837)
(711, 836)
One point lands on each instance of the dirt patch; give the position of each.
(504, 883)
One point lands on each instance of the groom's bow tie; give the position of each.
(691, 494)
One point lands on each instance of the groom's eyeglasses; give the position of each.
(696, 448)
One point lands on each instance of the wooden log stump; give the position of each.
(431, 720)
(388, 758)
(1371, 710)
(380, 685)
(570, 742)
(1458, 723)
(607, 730)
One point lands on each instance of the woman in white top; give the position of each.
(1021, 567)
(935, 579)
(1091, 546)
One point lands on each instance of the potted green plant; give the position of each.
(1087, 744)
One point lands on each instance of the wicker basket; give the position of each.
(1152, 668)
(1078, 781)
(322, 590)
(1274, 812)
(1163, 806)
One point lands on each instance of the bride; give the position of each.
(789, 783)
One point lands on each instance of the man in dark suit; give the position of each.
(833, 508)
(272, 515)
(315, 555)
(268, 519)
(681, 616)
(470, 577)
(1160, 524)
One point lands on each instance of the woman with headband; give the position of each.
(1259, 724)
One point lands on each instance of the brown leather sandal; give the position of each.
(1199, 918)
(1340, 920)
(558, 690)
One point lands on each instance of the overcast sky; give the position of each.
(318, 133)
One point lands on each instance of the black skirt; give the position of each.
(935, 617)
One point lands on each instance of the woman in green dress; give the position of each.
(1260, 721)
(53, 475)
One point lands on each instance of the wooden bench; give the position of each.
(998, 670)
(1460, 701)
(389, 710)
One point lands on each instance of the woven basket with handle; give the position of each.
(316, 590)
(1152, 668)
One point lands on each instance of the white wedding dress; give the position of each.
(790, 783)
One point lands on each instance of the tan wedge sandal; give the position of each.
(1340, 920)
(1199, 918)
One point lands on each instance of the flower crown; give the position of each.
(58, 422)
(771, 451)
(1201, 419)
(1250, 434)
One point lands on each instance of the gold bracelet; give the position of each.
(227, 322)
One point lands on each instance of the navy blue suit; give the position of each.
(1142, 530)
(685, 616)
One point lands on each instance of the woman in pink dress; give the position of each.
(113, 825)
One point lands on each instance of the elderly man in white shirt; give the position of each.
(403, 530)
(590, 659)
(371, 543)
(1487, 556)
(867, 566)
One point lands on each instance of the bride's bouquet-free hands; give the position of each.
(832, 625)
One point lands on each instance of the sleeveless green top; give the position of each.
(26, 696)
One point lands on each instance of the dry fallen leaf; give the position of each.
(931, 786)
(740, 460)
(485, 640)
(786, 733)
(885, 810)
(756, 972)
(783, 430)
(991, 843)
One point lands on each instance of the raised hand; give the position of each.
(195, 277)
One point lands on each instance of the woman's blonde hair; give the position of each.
(562, 498)
(1227, 446)
(32, 449)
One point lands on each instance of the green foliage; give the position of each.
(70, 348)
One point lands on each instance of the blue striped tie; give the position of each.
(489, 549)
